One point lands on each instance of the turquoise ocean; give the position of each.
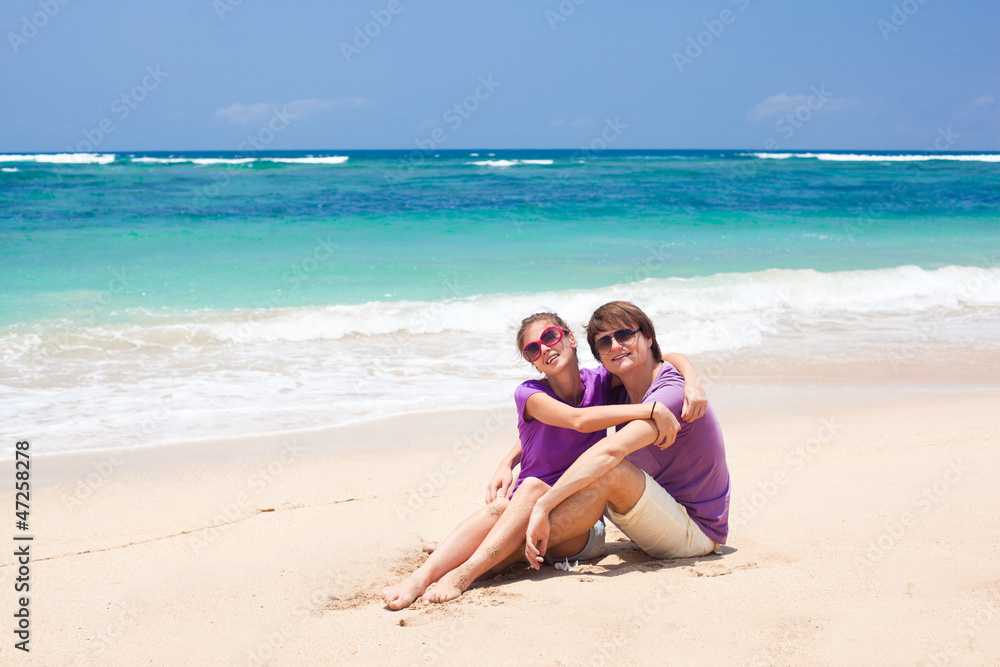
(151, 298)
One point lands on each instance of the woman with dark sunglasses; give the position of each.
(559, 418)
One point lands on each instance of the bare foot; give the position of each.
(402, 594)
(448, 587)
(430, 547)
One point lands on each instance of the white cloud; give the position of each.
(974, 109)
(241, 114)
(818, 100)
(258, 112)
(776, 105)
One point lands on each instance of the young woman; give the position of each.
(559, 418)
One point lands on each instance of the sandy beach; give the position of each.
(862, 532)
(264, 271)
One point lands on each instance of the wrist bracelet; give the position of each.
(651, 410)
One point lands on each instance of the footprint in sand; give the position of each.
(717, 569)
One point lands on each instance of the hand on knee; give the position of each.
(534, 487)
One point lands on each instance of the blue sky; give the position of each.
(256, 74)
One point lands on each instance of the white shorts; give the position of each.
(592, 549)
(661, 526)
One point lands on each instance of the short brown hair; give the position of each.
(621, 315)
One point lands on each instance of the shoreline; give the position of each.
(954, 371)
(849, 508)
(230, 443)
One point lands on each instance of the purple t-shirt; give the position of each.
(693, 470)
(547, 451)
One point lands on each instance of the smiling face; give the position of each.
(621, 359)
(555, 358)
(615, 316)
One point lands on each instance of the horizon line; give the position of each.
(587, 151)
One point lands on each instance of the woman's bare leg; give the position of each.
(503, 546)
(449, 553)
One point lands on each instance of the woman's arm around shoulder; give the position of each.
(554, 412)
(695, 400)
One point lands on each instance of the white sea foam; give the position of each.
(508, 163)
(332, 159)
(802, 292)
(10, 169)
(167, 377)
(219, 160)
(160, 160)
(190, 160)
(864, 157)
(61, 158)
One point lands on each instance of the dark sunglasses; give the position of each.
(550, 337)
(623, 336)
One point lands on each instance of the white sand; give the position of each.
(863, 531)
